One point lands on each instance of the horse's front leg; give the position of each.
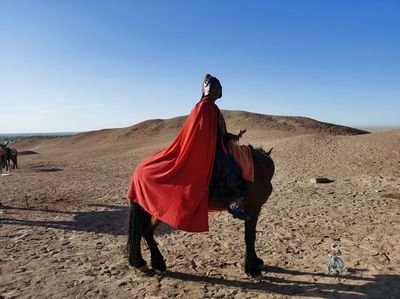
(157, 260)
(252, 263)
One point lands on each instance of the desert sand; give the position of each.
(64, 211)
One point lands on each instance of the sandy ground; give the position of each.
(63, 223)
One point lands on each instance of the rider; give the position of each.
(227, 182)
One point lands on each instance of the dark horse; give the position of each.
(8, 154)
(3, 159)
(142, 224)
(12, 154)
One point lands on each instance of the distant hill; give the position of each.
(236, 120)
(257, 125)
(295, 124)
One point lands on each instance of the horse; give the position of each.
(3, 159)
(12, 154)
(142, 224)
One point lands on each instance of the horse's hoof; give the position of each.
(262, 267)
(143, 269)
(259, 261)
(160, 272)
(254, 272)
(159, 267)
(257, 277)
(138, 264)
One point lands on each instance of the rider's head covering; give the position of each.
(211, 83)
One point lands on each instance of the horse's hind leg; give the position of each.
(157, 260)
(135, 230)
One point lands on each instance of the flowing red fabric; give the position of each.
(243, 157)
(172, 185)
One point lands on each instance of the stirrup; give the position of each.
(237, 212)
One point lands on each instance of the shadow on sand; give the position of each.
(379, 286)
(111, 219)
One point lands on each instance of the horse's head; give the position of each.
(3, 146)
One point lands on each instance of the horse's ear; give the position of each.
(269, 152)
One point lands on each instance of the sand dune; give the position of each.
(63, 220)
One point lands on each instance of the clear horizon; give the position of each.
(71, 66)
(367, 128)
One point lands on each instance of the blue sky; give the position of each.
(86, 65)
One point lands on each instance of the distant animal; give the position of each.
(142, 224)
(3, 159)
(11, 155)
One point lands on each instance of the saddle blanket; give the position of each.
(243, 157)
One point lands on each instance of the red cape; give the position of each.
(172, 185)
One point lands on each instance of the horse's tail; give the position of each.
(138, 222)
